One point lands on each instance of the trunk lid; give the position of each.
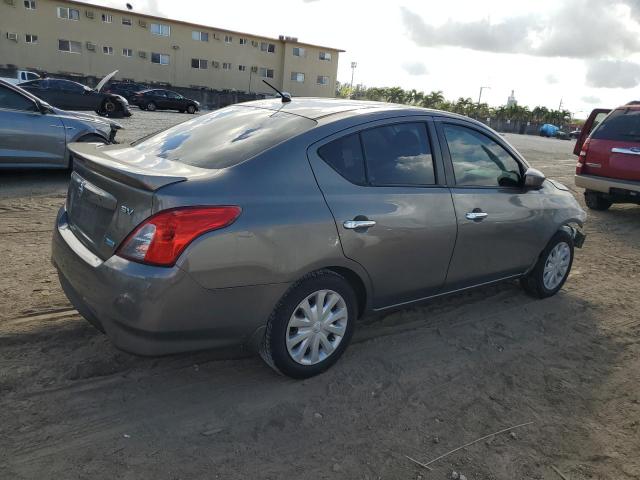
(109, 196)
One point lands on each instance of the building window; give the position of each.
(243, 41)
(30, 38)
(68, 13)
(267, 47)
(266, 72)
(160, 29)
(198, 63)
(242, 68)
(69, 46)
(322, 80)
(226, 66)
(107, 18)
(228, 39)
(200, 36)
(160, 58)
(325, 56)
(297, 77)
(30, 4)
(127, 52)
(126, 21)
(299, 52)
(107, 50)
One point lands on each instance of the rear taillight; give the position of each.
(582, 157)
(161, 238)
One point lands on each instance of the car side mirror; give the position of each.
(533, 178)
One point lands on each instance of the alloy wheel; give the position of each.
(556, 265)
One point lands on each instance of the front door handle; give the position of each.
(355, 224)
(476, 215)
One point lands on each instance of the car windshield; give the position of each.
(620, 125)
(225, 137)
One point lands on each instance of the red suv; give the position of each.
(608, 152)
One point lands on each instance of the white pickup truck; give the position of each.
(21, 76)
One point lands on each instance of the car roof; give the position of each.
(316, 108)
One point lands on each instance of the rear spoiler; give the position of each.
(95, 157)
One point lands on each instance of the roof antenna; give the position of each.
(286, 97)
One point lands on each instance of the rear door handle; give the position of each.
(476, 215)
(353, 224)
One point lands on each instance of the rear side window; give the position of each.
(345, 156)
(225, 137)
(14, 101)
(479, 161)
(620, 125)
(398, 154)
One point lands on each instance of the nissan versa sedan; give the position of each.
(277, 225)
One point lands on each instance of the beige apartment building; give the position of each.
(71, 37)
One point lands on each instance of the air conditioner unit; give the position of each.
(12, 36)
(88, 13)
(142, 54)
(175, 47)
(142, 23)
(91, 46)
(215, 64)
(254, 69)
(9, 2)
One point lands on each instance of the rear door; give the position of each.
(499, 222)
(160, 98)
(384, 185)
(29, 137)
(595, 118)
(614, 146)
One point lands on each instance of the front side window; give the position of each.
(68, 13)
(398, 154)
(345, 156)
(480, 161)
(297, 77)
(69, 46)
(160, 29)
(160, 58)
(14, 101)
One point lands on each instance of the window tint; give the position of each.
(479, 161)
(398, 155)
(620, 125)
(345, 157)
(14, 101)
(225, 137)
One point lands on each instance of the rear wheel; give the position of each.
(151, 107)
(553, 267)
(108, 107)
(311, 326)
(596, 200)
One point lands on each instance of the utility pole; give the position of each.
(480, 96)
(560, 106)
(353, 69)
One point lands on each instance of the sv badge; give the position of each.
(126, 210)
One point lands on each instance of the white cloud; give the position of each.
(613, 74)
(415, 68)
(591, 99)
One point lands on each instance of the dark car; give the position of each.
(70, 95)
(159, 99)
(277, 225)
(126, 89)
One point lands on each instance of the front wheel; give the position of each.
(151, 107)
(191, 109)
(311, 326)
(553, 267)
(108, 107)
(596, 200)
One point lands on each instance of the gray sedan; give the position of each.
(277, 225)
(35, 134)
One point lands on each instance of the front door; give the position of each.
(385, 188)
(31, 137)
(499, 222)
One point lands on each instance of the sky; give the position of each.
(583, 53)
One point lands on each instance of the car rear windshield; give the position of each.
(225, 137)
(620, 125)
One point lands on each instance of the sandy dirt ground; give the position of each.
(419, 382)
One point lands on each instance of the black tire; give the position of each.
(596, 200)
(109, 107)
(191, 109)
(150, 106)
(273, 349)
(533, 283)
(92, 138)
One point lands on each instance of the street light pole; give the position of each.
(480, 96)
(353, 69)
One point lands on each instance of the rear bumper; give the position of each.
(153, 310)
(605, 184)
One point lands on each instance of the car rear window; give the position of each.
(225, 137)
(620, 125)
